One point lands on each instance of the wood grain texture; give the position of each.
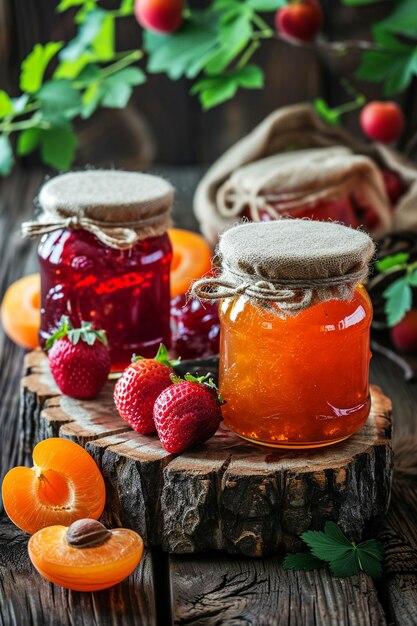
(213, 591)
(226, 494)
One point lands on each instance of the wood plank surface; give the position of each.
(397, 590)
(213, 591)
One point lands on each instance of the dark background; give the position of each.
(164, 123)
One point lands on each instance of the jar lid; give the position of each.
(292, 262)
(118, 207)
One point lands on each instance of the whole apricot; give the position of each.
(382, 121)
(404, 334)
(301, 20)
(160, 16)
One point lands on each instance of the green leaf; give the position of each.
(103, 45)
(87, 33)
(266, 5)
(35, 64)
(6, 156)
(399, 300)
(369, 564)
(91, 99)
(117, 89)
(71, 69)
(58, 147)
(28, 141)
(403, 20)
(345, 565)
(325, 546)
(331, 116)
(412, 278)
(392, 261)
(236, 29)
(302, 560)
(214, 90)
(185, 53)
(6, 104)
(126, 7)
(59, 100)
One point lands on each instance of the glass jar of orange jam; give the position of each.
(298, 382)
(294, 359)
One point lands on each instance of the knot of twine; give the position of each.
(291, 295)
(119, 235)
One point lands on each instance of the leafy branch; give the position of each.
(214, 48)
(86, 73)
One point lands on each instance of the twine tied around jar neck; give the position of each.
(119, 208)
(262, 262)
(120, 235)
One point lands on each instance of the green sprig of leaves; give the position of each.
(216, 45)
(343, 557)
(86, 73)
(399, 295)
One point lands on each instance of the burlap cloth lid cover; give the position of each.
(289, 264)
(119, 208)
(297, 127)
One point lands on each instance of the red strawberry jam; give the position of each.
(195, 328)
(123, 292)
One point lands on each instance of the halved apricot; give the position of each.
(63, 485)
(20, 311)
(86, 568)
(191, 259)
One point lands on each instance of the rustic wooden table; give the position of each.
(212, 589)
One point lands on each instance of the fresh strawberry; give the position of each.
(139, 386)
(79, 359)
(187, 413)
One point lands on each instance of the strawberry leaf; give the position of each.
(399, 300)
(302, 560)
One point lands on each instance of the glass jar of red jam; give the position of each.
(294, 332)
(106, 258)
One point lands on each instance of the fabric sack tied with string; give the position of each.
(288, 265)
(272, 168)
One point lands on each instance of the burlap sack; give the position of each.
(298, 127)
(119, 208)
(288, 265)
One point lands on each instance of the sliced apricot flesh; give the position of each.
(20, 311)
(191, 259)
(85, 569)
(63, 485)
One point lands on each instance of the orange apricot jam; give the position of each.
(298, 382)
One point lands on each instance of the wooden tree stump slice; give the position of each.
(227, 494)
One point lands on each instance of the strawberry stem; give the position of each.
(85, 333)
(162, 356)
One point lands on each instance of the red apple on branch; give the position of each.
(161, 16)
(382, 121)
(301, 20)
